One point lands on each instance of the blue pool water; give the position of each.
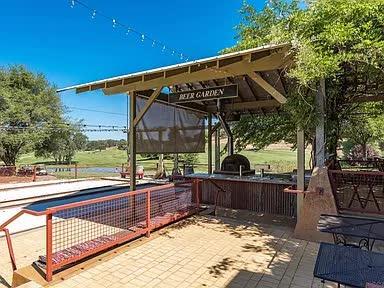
(86, 194)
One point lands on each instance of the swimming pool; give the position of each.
(82, 195)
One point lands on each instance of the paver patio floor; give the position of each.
(202, 251)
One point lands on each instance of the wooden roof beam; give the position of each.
(148, 104)
(183, 75)
(267, 87)
(244, 106)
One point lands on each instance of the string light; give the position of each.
(115, 24)
(65, 126)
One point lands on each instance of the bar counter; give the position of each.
(254, 193)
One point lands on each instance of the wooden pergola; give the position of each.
(259, 74)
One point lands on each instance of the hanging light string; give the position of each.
(64, 127)
(130, 31)
(142, 37)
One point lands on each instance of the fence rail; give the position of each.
(372, 164)
(82, 229)
(7, 170)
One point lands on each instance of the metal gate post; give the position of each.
(10, 249)
(197, 191)
(49, 271)
(148, 213)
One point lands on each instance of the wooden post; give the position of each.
(161, 165)
(210, 143)
(227, 130)
(320, 134)
(34, 174)
(217, 149)
(300, 169)
(132, 141)
(75, 170)
(127, 129)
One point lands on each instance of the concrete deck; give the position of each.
(202, 251)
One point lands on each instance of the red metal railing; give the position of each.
(361, 191)
(82, 229)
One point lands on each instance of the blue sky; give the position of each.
(70, 47)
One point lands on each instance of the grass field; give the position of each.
(281, 159)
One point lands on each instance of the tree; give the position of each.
(122, 144)
(363, 130)
(61, 143)
(28, 102)
(341, 41)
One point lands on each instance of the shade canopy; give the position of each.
(258, 72)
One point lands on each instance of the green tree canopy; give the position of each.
(27, 100)
(61, 142)
(341, 41)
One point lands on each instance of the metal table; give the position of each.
(366, 229)
(348, 265)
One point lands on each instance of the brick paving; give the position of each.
(202, 251)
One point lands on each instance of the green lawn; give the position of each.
(281, 160)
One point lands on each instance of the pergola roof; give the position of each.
(259, 73)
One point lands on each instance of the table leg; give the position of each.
(356, 193)
(219, 189)
(339, 239)
(366, 243)
(370, 192)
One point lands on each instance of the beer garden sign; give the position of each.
(218, 92)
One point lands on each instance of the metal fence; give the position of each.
(82, 229)
(376, 164)
(7, 170)
(358, 191)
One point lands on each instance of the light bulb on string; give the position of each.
(142, 37)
